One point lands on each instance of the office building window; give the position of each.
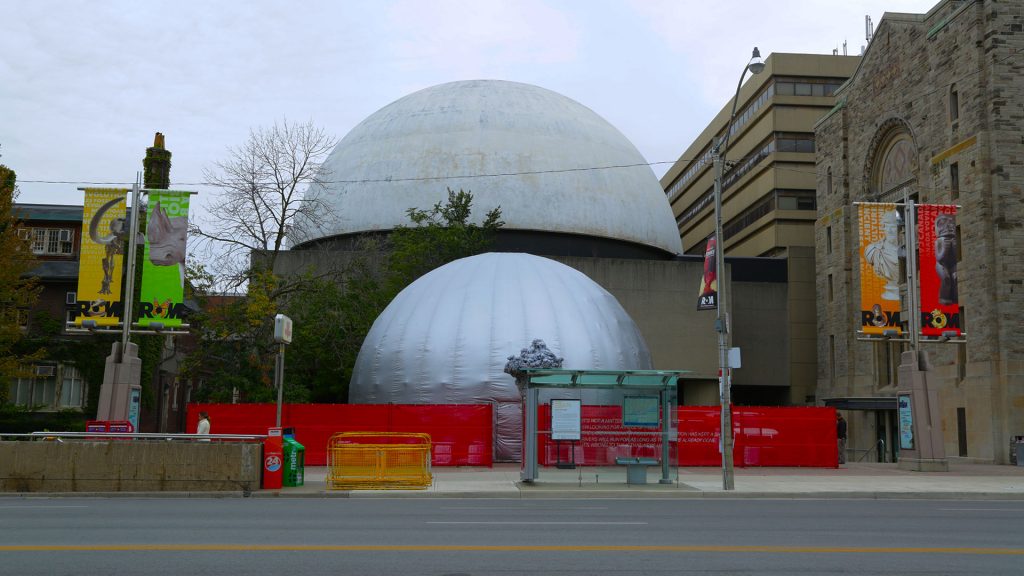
(72, 388)
(794, 142)
(52, 241)
(20, 391)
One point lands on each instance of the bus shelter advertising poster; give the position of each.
(879, 268)
(163, 267)
(938, 251)
(102, 256)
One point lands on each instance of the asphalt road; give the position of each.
(440, 536)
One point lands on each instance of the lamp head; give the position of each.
(756, 65)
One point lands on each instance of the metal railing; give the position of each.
(879, 447)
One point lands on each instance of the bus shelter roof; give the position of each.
(625, 379)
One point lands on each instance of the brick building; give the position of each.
(935, 111)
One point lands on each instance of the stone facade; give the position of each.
(952, 83)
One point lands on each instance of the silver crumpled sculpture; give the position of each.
(536, 356)
(446, 338)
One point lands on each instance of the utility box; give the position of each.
(273, 459)
(294, 461)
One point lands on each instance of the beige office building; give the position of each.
(768, 200)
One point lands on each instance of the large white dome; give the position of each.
(552, 164)
(447, 336)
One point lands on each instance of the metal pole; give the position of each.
(279, 377)
(129, 286)
(910, 235)
(722, 308)
(666, 430)
(722, 327)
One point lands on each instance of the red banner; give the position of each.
(765, 436)
(461, 435)
(708, 297)
(937, 251)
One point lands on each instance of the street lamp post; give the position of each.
(722, 319)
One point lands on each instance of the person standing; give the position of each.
(204, 425)
(841, 437)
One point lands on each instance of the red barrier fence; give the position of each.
(462, 434)
(765, 436)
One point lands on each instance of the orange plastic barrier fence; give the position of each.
(378, 461)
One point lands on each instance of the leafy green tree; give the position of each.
(439, 235)
(333, 314)
(18, 291)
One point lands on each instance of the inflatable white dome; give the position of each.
(445, 339)
(550, 163)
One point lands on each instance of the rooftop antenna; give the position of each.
(868, 28)
(844, 48)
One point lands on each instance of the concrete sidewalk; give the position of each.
(857, 480)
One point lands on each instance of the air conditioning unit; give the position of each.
(44, 370)
(71, 298)
(65, 235)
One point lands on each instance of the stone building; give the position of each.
(935, 113)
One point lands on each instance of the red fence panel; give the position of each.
(765, 436)
(462, 434)
(786, 436)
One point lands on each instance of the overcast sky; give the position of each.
(85, 85)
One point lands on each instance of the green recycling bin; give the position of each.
(294, 462)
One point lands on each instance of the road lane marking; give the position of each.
(534, 522)
(1009, 510)
(456, 548)
(37, 506)
(524, 508)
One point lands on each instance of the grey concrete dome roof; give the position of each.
(551, 163)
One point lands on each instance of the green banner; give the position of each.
(163, 266)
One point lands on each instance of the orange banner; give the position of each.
(879, 268)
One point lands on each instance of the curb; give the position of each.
(541, 494)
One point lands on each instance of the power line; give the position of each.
(390, 179)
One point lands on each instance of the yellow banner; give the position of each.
(104, 233)
(879, 268)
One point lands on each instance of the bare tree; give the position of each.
(262, 184)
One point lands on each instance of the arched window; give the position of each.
(897, 164)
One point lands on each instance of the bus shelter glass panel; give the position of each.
(626, 434)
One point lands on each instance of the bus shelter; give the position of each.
(648, 399)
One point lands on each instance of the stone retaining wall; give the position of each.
(129, 466)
